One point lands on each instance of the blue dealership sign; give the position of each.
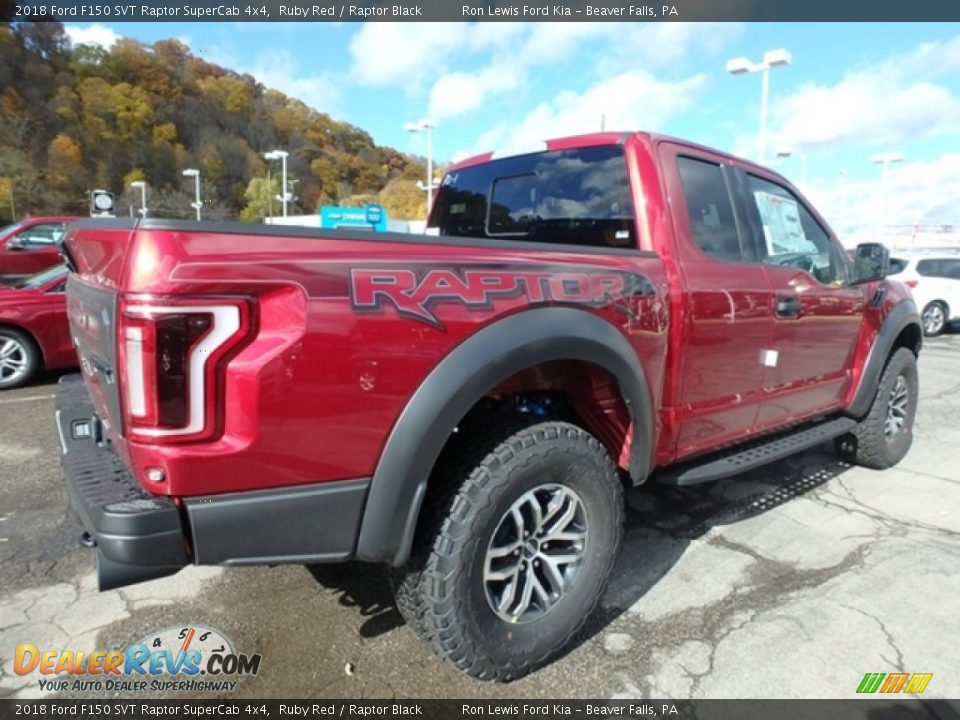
(371, 217)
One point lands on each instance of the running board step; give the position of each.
(754, 454)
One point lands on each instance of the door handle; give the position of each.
(788, 306)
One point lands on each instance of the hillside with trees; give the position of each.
(77, 118)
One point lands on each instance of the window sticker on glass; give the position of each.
(458, 208)
(781, 224)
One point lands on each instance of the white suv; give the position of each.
(934, 278)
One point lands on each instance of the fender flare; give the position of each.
(903, 314)
(463, 377)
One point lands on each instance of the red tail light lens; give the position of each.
(911, 283)
(173, 356)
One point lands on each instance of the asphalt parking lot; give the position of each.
(790, 581)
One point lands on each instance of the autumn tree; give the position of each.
(75, 117)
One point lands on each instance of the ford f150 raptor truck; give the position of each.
(467, 406)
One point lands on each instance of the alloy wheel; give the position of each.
(14, 360)
(933, 319)
(897, 408)
(535, 553)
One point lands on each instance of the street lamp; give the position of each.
(142, 186)
(885, 160)
(195, 174)
(787, 152)
(281, 155)
(428, 126)
(771, 59)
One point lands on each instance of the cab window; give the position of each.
(791, 235)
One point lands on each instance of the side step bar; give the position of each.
(754, 454)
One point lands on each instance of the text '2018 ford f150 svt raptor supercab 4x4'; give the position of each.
(469, 407)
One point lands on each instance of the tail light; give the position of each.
(173, 355)
(911, 283)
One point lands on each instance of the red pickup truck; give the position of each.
(601, 312)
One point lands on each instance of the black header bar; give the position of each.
(482, 11)
(137, 709)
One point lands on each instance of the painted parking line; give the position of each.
(26, 399)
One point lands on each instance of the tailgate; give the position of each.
(93, 312)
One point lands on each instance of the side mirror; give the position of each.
(870, 263)
(16, 243)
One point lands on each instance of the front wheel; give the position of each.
(884, 436)
(530, 527)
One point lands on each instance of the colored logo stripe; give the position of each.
(870, 682)
(894, 683)
(918, 682)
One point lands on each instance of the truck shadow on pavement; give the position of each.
(662, 522)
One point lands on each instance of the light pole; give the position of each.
(771, 59)
(142, 186)
(281, 155)
(195, 174)
(885, 160)
(787, 152)
(428, 126)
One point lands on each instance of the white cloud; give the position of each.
(921, 192)
(620, 47)
(886, 103)
(631, 100)
(402, 53)
(95, 34)
(460, 92)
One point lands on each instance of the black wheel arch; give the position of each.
(901, 328)
(464, 377)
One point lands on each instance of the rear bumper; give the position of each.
(129, 525)
(140, 536)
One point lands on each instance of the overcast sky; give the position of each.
(853, 90)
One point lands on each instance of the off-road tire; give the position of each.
(935, 329)
(29, 351)
(868, 445)
(440, 591)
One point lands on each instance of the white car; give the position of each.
(934, 278)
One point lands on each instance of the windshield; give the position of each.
(566, 197)
(42, 278)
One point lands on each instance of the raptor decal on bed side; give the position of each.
(413, 294)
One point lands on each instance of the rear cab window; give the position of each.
(564, 197)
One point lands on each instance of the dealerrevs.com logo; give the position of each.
(192, 658)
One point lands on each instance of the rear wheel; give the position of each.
(521, 547)
(884, 436)
(19, 358)
(934, 318)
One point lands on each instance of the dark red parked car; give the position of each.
(34, 333)
(31, 245)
